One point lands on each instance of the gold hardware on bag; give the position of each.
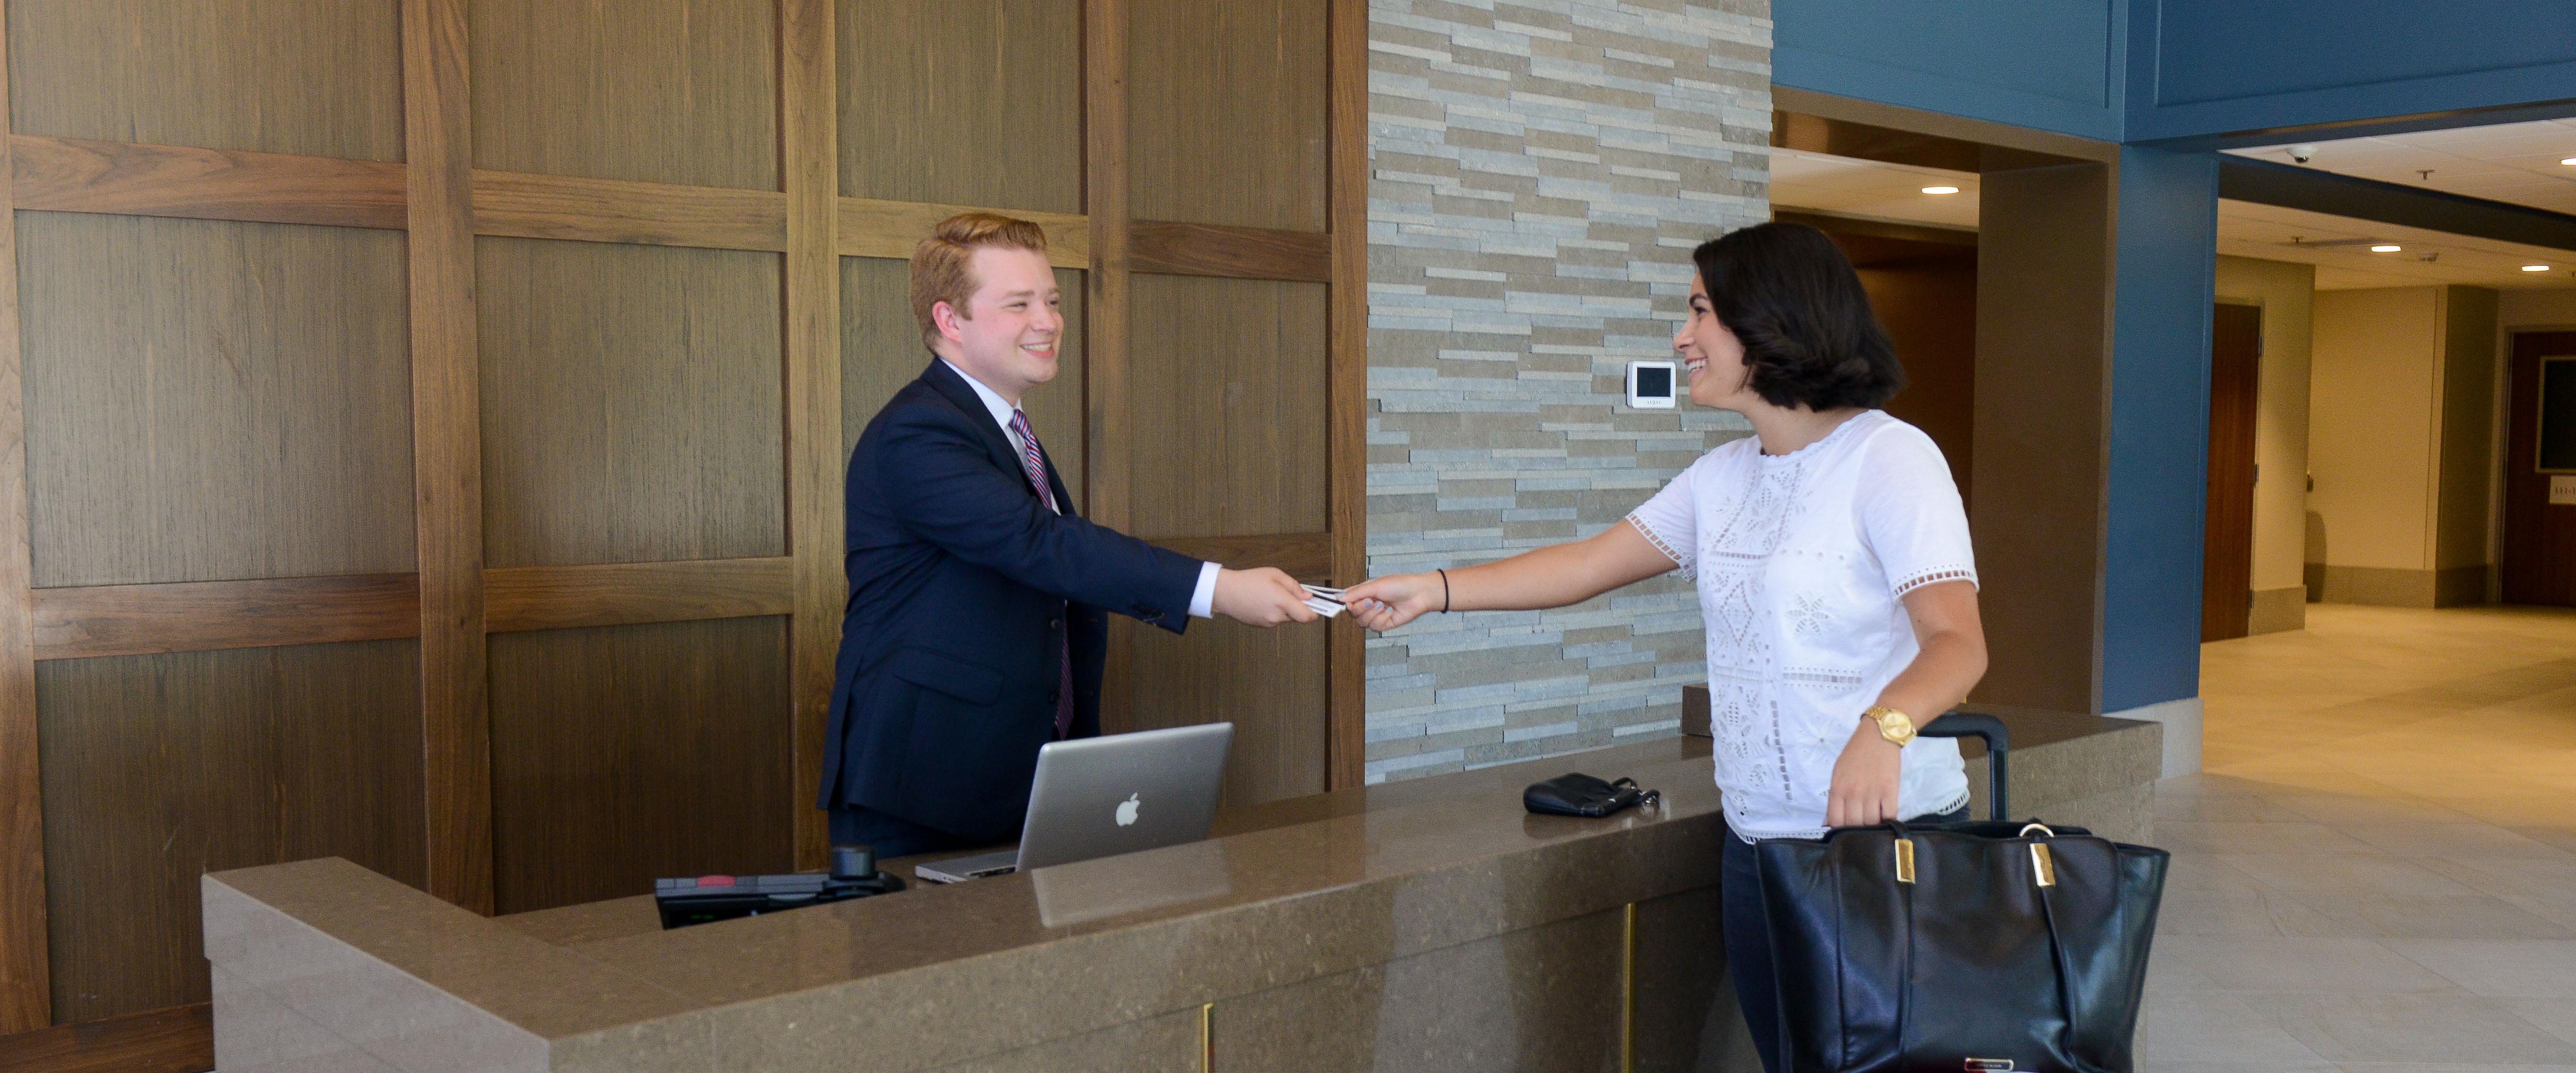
(2040, 863)
(2027, 828)
(1905, 860)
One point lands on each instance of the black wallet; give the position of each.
(1578, 794)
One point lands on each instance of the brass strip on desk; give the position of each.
(1207, 1038)
(1628, 991)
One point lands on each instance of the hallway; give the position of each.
(2377, 871)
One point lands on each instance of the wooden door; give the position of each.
(2540, 451)
(2227, 547)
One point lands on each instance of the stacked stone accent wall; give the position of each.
(1539, 173)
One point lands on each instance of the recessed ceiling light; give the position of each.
(2535, 268)
(2570, 161)
(1940, 189)
(2386, 247)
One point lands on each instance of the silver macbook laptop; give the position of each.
(1097, 797)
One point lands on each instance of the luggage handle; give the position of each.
(1962, 724)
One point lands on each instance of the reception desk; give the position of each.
(1424, 925)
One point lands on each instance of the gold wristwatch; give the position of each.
(1893, 725)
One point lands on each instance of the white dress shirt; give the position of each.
(1202, 600)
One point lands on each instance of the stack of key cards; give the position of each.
(1324, 601)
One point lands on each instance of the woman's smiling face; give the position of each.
(1711, 353)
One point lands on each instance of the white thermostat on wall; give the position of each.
(1652, 385)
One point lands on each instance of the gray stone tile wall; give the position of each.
(1540, 170)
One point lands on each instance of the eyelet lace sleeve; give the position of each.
(1689, 570)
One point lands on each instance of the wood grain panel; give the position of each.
(521, 205)
(159, 768)
(881, 351)
(1231, 376)
(807, 50)
(1305, 556)
(210, 400)
(134, 620)
(1234, 252)
(1346, 477)
(312, 77)
(1270, 683)
(179, 1039)
(890, 229)
(618, 594)
(25, 990)
(978, 103)
(70, 175)
(448, 464)
(1104, 200)
(629, 752)
(660, 91)
(1229, 112)
(630, 402)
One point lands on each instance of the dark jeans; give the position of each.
(890, 836)
(1748, 939)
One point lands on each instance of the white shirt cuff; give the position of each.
(1203, 601)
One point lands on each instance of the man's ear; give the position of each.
(945, 317)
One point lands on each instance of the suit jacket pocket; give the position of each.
(973, 683)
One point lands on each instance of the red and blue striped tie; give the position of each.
(1033, 464)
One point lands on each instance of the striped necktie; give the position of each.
(1033, 464)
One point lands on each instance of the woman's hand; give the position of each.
(1865, 779)
(1385, 603)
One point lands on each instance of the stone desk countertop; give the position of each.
(1280, 893)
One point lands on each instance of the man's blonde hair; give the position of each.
(940, 272)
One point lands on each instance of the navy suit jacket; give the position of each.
(965, 590)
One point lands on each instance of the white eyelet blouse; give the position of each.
(1802, 561)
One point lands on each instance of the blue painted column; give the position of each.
(2163, 283)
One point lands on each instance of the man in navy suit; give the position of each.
(976, 627)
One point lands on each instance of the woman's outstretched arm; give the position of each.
(1553, 576)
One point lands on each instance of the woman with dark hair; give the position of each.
(1832, 561)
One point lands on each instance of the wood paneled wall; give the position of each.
(422, 421)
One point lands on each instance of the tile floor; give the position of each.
(2376, 873)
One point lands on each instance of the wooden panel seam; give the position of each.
(447, 459)
(1346, 378)
(137, 179)
(522, 205)
(1107, 451)
(1306, 556)
(195, 616)
(157, 1041)
(1188, 249)
(522, 598)
(820, 224)
(868, 227)
(26, 986)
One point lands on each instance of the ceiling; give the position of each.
(1872, 190)
(2512, 162)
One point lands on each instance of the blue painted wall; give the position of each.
(2050, 64)
(2206, 67)
(2164, 279)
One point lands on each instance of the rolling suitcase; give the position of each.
(1967, 946)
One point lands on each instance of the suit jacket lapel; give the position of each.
(954, 388)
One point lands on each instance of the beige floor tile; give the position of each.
(2203, 872)
(2377, 916)
(2343, 873)
(2521, 969)
(2225, 838)
(2210, 912)
(2308, 965)
(2411, 1028)
(2176, 1027)
(2223, 810)
(2358, 808)
(2553, 1015)
(2446, 840)
(2447, 1067)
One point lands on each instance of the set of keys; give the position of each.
(1323, 601)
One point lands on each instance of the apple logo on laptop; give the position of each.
(1127, 811)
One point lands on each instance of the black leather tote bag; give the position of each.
(1967, 946)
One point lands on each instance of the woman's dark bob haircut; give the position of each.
(1792, 299)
